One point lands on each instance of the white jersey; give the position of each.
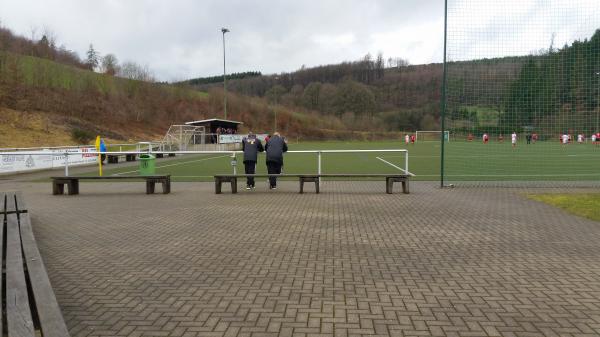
(565, 139)
(579, 138)
(594, 138)
(406, 139)
(513, 138)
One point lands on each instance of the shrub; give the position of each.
(82, 136)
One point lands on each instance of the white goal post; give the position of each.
(431, 136)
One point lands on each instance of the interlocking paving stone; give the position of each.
(351, 261)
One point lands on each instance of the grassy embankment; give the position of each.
(84, 104)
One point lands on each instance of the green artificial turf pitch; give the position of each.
(464, 161)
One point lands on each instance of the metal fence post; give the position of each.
(66, 164)
(319, 162)
(406, 162)
(444, 81)
(234, 163)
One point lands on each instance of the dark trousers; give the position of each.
(273, 167)
(250, 168)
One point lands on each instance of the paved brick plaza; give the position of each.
(351, 261)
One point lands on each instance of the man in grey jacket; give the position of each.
(275, 148)
(251, 147)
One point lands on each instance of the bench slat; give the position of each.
(109, 177)
(18, 312)
(11, 207)
(51, 318)
(21, 205)
(312, 175)
(3, 219)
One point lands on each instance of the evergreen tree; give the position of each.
(93, 58)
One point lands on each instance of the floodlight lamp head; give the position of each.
(224, 30)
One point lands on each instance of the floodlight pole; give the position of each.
(598, 106)
(444, 80)
(224, 30)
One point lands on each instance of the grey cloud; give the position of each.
(181, 39)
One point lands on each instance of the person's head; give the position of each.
(276, 134)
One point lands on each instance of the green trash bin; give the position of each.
(147, 165)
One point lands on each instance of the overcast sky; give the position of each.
(181, 39)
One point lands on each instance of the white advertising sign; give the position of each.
(46, 159)
(237, 138)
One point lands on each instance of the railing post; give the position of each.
(319, 162)
(66, 164)
(234, 163)
(406, 161)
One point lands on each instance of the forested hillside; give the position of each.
(563, 81)
(376, 95)
(554, 91)
(492, 94)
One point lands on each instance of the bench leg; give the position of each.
(166, 185)
(405, 186)
(389, 185)
(317, 185)
(234, 185)
(73, 187)
(218, 183)
(301, 185)
(150, 186)
(58, 188)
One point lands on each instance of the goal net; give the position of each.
(523, 73)
(432, 136)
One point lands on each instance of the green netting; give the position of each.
(528, 68)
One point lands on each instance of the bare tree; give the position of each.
(110, 64)
(380, 65)
(33, 29)
(401, 63)
(134, 71)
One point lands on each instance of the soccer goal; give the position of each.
(432, 136)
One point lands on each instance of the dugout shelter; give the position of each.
(215, 127)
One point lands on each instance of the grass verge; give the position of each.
(585, 205)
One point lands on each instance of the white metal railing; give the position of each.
(139, 146)
(233, 154)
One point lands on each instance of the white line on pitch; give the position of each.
(399, 168)
(177, 164)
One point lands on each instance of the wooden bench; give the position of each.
(72, 182)
(31, 306)
(229, 178)
(390, 179)
(113, 159)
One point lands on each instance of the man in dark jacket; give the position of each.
(275, 148)
(251, 147)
